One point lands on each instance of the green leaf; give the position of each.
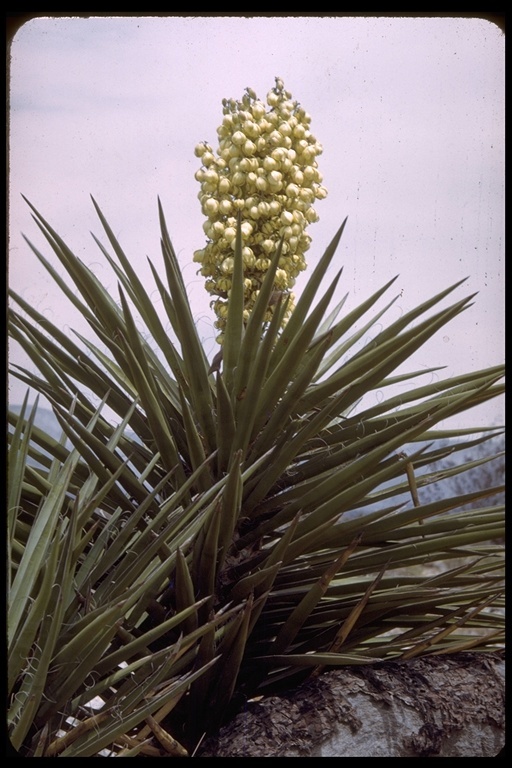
(195, 363)
(234, 325)
(298, 616)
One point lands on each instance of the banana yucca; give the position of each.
(235, 526)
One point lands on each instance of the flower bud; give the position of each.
(211, 176)
(211, 206)
(275, 138)
(292, 190)
(238, 138)
(248, 257)
(200, 149)
(251, 129)
(258, 110)
(238, 178)
(270, 163)
(230, 234)
(217, 229)
(275, 178)
(224, 185)
(228, 265)
(246, 229)
(249, 147)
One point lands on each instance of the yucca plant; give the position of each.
(210, 531)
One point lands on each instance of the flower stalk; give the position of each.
(264, 173)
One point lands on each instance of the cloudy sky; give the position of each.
(410, 113)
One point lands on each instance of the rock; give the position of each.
(433, 706)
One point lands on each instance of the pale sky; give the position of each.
(410, 113)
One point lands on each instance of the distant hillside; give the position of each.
(45, 419)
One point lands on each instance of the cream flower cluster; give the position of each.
(265, 167)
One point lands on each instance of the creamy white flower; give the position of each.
(272, 99)
(258, 110)
(211, 206)
(211, 176)
(228, 265)
(238, 138)
(270, 163)
(249, 147)
(247, 229)
(218, 229)
(224, 185)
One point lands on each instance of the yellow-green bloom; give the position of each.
(265, 168)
